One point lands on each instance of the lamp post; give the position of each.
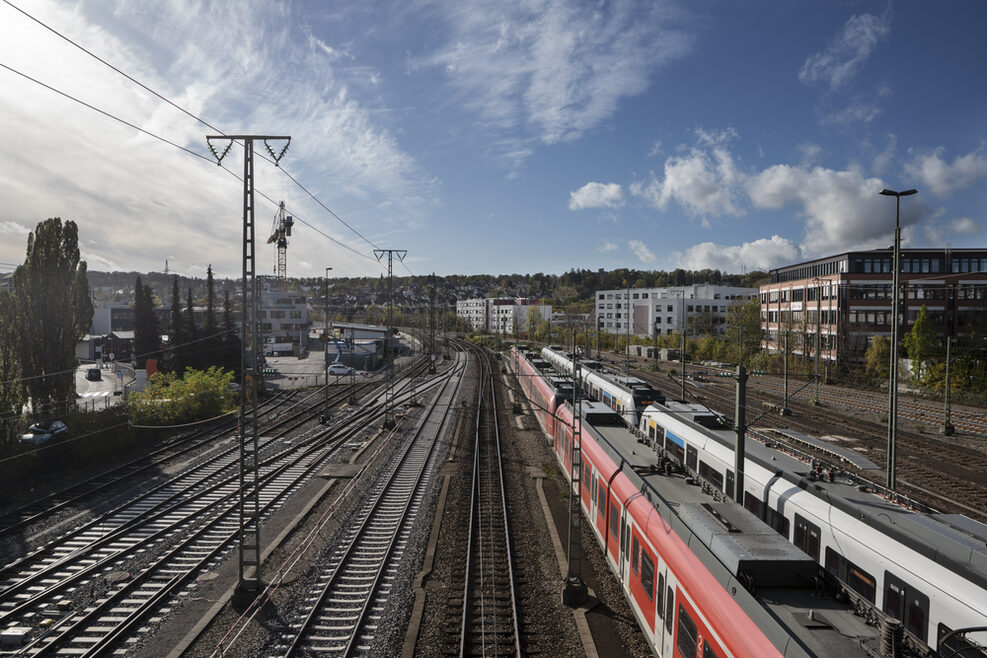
(654, 354)
(325, 336)
(893, 377)
(818, 282)
(947, 426)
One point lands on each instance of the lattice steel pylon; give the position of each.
(280, 233)
(388, 355)
(249, 475)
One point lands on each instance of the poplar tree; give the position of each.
(53, 311)
(147, 337)
(11, 391)
(176, 333)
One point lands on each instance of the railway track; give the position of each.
(343, 610)
(488, 623)
(91, 589)
(17, 519)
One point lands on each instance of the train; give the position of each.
(922, 571)
(926, 570)
(704, 578)
(626, 395)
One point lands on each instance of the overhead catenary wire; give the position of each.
(191, 115)
(129, 124)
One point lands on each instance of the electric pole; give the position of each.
(379, 253)
(325, 337)
(249, 483)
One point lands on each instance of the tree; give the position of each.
(53, 310)
(190, 333)
(11, 390)
(878, 357)
(921, 342)
(147, 338)
(175, 358)
(744, 329)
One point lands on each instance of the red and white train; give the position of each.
(705, 579)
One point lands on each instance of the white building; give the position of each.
(283, 317)
(647, 311)
(501, 315)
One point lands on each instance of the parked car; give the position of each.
(340, 369)
(42, 432)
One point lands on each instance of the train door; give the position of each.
(625, 548)
(665, 608)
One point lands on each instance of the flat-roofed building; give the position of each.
(665, 311)
(846, 299)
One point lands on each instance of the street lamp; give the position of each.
(325, 336)
(893, 381)
(818, 282)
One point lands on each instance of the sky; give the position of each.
(494, 137)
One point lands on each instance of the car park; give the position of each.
(339, 369)
(42, 432)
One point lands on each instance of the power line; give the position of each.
(187, 113)
(110, 115)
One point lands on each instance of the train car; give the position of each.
(540, 385)
(924, 570)
(704, 578)
(628, 396)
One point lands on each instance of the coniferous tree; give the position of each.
(147, 338)
(176, 332)
(231, 339)
(210, 328)
(53, 311)
(191, 334)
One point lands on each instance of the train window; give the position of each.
(753, 504)
(778, 522)
(661, 595)
(807, 537)
(861, 582)
(708, 651)
(614, 520)
(648, 575)
(688, 634)
(634, 548)
(669, 607)
(593, 490)
(834, 562)
(691, 455)
(601, 509)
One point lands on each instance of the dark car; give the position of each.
(41, 432)
(94, 374)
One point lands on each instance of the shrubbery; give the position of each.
(172, 400)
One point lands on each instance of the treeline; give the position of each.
(42, 318)
(213, 342)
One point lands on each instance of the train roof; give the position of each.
(953, 540)
(737, 547)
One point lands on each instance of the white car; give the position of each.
(42, 432)
(339, 369)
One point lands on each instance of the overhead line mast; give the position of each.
(249, 469)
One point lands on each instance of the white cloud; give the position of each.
(703, 181)
(883, 159)
(597, 195)
(845, 55)
(761, 254)
(941, 178)
(553, 70)
(842, 209)
(641, 251)
(242, 68)
(964, 226)
(14, 228)
(810, 153)
(607, 246)
(655, 149)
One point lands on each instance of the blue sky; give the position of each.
(495, 137)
